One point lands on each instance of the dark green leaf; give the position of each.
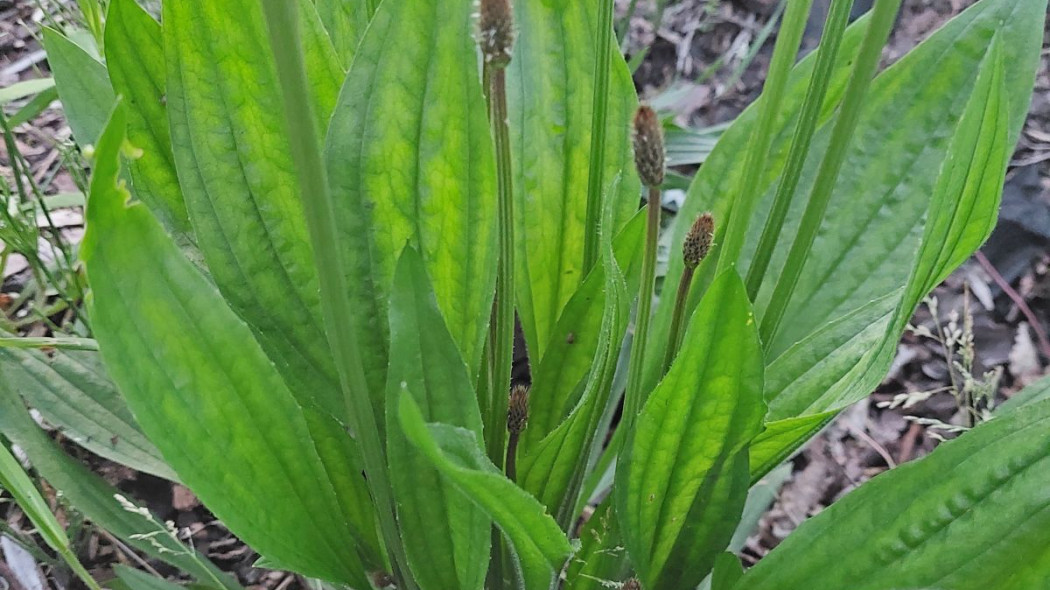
(970, 516)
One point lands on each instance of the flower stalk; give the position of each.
(649, 161)
(695, 247)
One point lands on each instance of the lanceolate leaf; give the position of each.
(682, 478)
(550, 86)
(539, 545)
(970, 516)
(1034, 393)
(83, 85)
(72, 391)
(444, 532)
(203, 389)
(135, 59)
(409, 158)
(553, 467)
(960, 217)
(558, 382)
(96, 499)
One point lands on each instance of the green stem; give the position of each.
(674, 337)
(599, 119)
(503, 305)
(883, 16)
(747, 195)
(633, 397)
(282, 19)
(834, 29)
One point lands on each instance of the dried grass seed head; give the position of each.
(648, 140)
(496, 31)
(698, 241)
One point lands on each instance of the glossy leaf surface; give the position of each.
(83, 85)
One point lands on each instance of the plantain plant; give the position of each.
(312, 225)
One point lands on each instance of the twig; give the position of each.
(1022, 305)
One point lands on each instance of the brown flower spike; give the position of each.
(518, 409)
(648, 147)
(631, 584)
(698, 241)
(496, 28)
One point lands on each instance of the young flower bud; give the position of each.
(518, 409)
(632, 584)
(648, 147)
(698, 241)
(496, 31)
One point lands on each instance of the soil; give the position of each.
(701, 47)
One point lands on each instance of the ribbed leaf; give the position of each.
(843, 361)
(682, 479)
(204, 390)
(558, 381)
(444, 533)
(540, 546)
(409, 159)
(875, 221)
(83, 85)
(72, 391)
(135, 60)
(345, 22)
(970, 516)
(554, 467)
(550, 87)
(96, 499)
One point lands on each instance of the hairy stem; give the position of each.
(883, 16)
(746, 195)
(674, 337)
(834, 29)
(633, 398)
(599, 118)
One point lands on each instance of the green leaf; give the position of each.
(25, 88)
(550, 87)
(72, 391)
(410, 159)
(539, 544)
(554, 467)
(345, 22)
(231, 154)
(682, 479)
(574, 340)
(135, 59)
(97, 500)
(843, 361)
(83, 85)
(443, 531)
(140, 580)
(971, 515)
(208, 396)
